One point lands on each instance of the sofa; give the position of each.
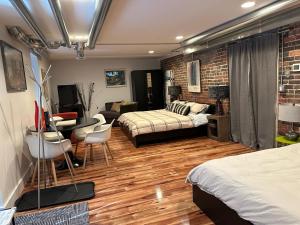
(110, 114)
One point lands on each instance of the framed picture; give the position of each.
(194, 76)
(115, 78)
(13, 68)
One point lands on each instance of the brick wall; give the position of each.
(291, 54)
(213, 69)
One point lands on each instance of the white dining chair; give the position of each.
(101, 119)
(99, 137)
(81, 133)
(51, 151)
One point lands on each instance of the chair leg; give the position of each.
(85, 156)
(91, 153)
(105, 154)
(49, 172)
(54, 172)
(70, 163)
(111, 155)
(75, 153)
(34, 173)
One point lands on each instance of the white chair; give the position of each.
(81, 133)
(99, 137)
(51, 150)
(50, 135)
(101, 119)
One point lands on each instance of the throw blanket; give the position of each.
(154, 121)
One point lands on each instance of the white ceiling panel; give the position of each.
(78, 15)
(160, 21)
(42, 14)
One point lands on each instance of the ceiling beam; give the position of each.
(100, 15)
(56, 10)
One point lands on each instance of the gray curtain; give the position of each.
(253, 89)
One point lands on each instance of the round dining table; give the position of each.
(66, 131)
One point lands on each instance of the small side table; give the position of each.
(283, 141)
(218, 127)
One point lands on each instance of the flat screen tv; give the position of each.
(67, 94)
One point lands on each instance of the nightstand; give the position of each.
(283, 141)
(218, 127)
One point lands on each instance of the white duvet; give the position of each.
(262, 187)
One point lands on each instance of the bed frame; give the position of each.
(155, 137)
(215, 209)
(140, 139)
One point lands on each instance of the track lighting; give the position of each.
(79, 48)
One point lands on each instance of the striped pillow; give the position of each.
(170, 107)
(181, 109)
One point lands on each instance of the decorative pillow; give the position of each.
(198, 108)
(181, 109)
(116, 106)
(190, 104)
(170, 107)
(179, 102)
(126, 102)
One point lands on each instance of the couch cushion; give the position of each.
(116, 107)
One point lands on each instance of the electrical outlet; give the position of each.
(296, 67)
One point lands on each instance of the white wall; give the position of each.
(17, 114)
(92, 70)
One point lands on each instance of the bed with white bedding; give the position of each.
(261, 187)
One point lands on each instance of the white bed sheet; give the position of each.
(262, 187)
(199, 119)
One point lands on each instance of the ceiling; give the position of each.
(132, 27)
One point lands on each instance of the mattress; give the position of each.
(158, 120)
(262, 187)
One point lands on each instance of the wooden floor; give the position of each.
(146, 185)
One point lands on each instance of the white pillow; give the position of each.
(198, 108)
(190, 104)
(179, 102)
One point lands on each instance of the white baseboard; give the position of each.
(19, 188)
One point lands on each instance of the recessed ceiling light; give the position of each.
(151, 52)
(248, 4)
(179, 37)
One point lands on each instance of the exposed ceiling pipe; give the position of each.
(25, 14)
(56, 9)
(102, 10)
(34, 44)
(201, 40)
(273, 23)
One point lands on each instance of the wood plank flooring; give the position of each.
(146, 185)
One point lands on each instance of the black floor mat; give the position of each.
(55, 196)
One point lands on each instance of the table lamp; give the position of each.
(289, 113)
(219, 92)
(174, 92)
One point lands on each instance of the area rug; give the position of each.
(74, 214)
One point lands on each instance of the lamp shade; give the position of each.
(289, 113)
(218, 92)
(174, 90)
